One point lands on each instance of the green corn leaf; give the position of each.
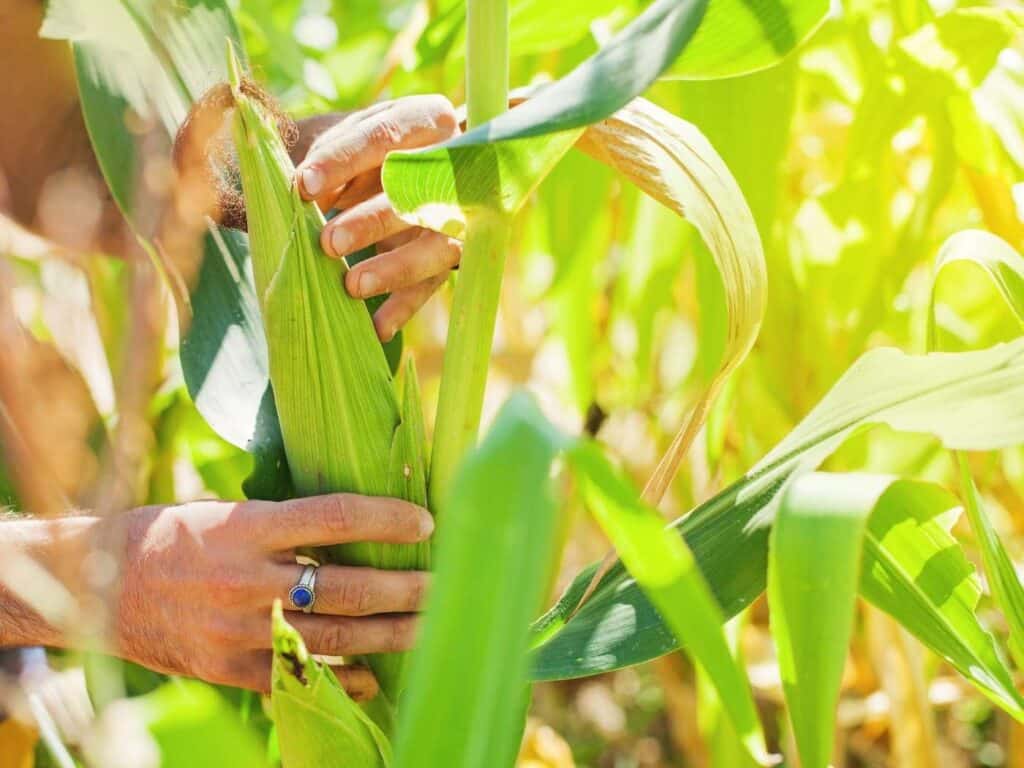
(498, 164)
(534, 27)
(1004, 268)
(1003, 580)
(225, 365)
(737, 37)
(667, 158)
(908, 541)
(1000, 105)
(466, 698)
(734, 37)
(664, 568)
(821, 519)
(723, 746)
(317, 722)
(512, 463)
(511, 153)
(971, 400)
(146, 63)
(994, 257)
(824, 518)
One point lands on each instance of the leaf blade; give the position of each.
(965, 399)
(470, 665)
(665, 569)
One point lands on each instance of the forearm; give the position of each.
(40, 566)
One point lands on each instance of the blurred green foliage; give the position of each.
(900, 123)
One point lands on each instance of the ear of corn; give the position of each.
(316, 720)
(343, 426)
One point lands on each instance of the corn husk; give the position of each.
(343, 425)
(316, 720)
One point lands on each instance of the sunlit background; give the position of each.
(859, 155)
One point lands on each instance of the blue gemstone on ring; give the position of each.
(301, 597)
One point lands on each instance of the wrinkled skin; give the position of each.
(197, 582)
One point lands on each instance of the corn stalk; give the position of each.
(475, 304)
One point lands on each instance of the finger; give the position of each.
(358, 681)
(363, 225)
(402, 305)
(337, 518)
(429, 255)
(362, 114)
(346, 151)
(359, 189)
(362, 187)
(252, 671)
(345, 636)
(390, 243)
(347, 591)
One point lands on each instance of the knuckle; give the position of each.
(404, 271)
(339, 150)
(401, 635)
(417, 590)
(396, 519)
(376, 221)
(384, 132)
(441, 112)
(358, 595)
(337, 515)
(289, 512)
(336, 637)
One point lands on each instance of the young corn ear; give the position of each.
(316, 720)
(343, 426)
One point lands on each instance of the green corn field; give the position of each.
(718, 410)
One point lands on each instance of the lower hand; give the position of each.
(342, 170)
(199, 580)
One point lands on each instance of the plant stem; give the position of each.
(475, 305)
(486, 60)
(468, 351)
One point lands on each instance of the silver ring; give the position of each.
(303, 594)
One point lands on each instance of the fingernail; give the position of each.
(384, 332)
(341, 241)
(426, 525)
(369, 284)
(312, 180)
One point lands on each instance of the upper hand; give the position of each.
(199, 580)
(342, 170)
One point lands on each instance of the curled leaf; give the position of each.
(672, 161)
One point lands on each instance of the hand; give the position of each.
(199, 580)
(342, 170)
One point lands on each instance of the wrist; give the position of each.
(40, 570)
